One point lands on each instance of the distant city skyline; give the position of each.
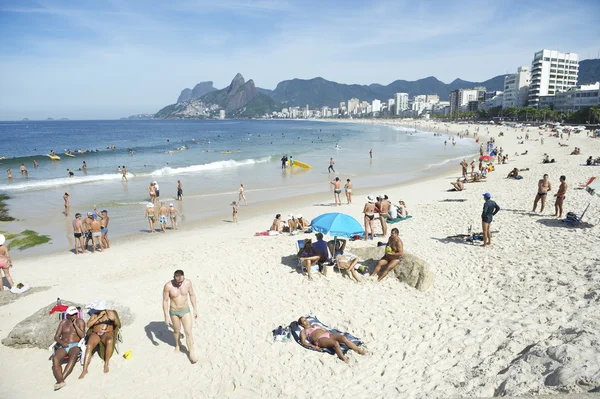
(105, 60)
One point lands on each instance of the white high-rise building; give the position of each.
(376, 106)
(401, 102)
(516, 88)
(353, 106)
(552, 72)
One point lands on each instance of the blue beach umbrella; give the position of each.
(337, 225)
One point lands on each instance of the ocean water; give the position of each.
(210, 176)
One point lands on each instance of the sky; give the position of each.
(104, 59)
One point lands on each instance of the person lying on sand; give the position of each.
(313, 336)
(458, 186)
(303, 224)
(513, 174)
(102, 326)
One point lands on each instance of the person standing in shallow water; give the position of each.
(177, 312)
(66, 199)
(242, 196)
(124, 172)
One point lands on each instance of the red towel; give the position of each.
(59, 308)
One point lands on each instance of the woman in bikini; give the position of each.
(150, 214)
(348, 188)
(242, 196)
(102, 326)
(369, 212)
(152, 191)
(5, 263)
(318, 338)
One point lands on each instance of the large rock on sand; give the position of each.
(412, 271)
(415, 272)
(37, 331)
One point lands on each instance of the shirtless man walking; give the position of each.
(337, 190)
(560, 197)
(162, 216)
(124, 172)
(78, 233)
(384, 210)
(393, 255)
(330, 168)
(179, 190)
(70, 331)
(178, 313)
(544, 187)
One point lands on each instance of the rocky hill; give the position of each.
(240, 99)
(319, 92)
(198, 91)
(589, 71)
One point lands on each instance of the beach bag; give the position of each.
(572, 216)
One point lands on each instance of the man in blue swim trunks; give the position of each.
(490, 208)
(104, 219)
(70, 331)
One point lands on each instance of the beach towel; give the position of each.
(295, 330)
(392, 221)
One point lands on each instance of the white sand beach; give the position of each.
(519, 317)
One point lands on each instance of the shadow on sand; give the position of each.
(568, 225)
(158, 330)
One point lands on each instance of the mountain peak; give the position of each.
(237, 82)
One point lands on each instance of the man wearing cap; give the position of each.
(490, 208)
(103, 226)
(173, 216)
(78, 233)
(70, 331)
(177, 313)
(320, 247)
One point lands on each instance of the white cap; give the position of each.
(291, 216)
(71, 310)
(170, 204)
(100, 305)
(298, 216)
(2, 239)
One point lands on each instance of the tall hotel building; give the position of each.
(552, 72)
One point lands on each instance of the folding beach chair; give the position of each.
(62, 316)
(299, 246)
(575, 219)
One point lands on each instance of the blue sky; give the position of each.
(106, 58)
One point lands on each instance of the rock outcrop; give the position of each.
(415, 272)
(239, 99)
(37, 331)
(198, 91)
(412, 271)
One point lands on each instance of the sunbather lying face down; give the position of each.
(318, 338)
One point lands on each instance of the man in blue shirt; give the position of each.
(320, 247)
(490, 208)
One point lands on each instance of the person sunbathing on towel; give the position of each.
(308, 256)
(346, 260)
(318, 338)
(67, 337)
(102, 326)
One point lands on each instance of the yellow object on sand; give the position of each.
(127, 355)
(298, 164)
